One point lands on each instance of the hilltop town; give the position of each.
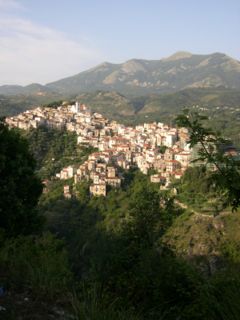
(154, 148)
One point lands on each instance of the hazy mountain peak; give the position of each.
(220, 54)
(105, 64)
(34, 86)
(101, 67)
(178, 55)
(132, 66)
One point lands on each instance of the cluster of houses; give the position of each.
(70, 117)
(150, 146)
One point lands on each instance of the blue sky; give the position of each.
(42, 41)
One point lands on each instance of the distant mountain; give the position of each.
(34, 89)
(139, 77)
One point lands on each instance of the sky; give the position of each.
(44, 41)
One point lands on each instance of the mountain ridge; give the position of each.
(136, 77)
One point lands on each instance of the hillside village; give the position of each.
(151, 146)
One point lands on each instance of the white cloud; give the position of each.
(34, 53)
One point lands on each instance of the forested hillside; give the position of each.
(138, 253)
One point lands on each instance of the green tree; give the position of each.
(20, 188)
(227, 168)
